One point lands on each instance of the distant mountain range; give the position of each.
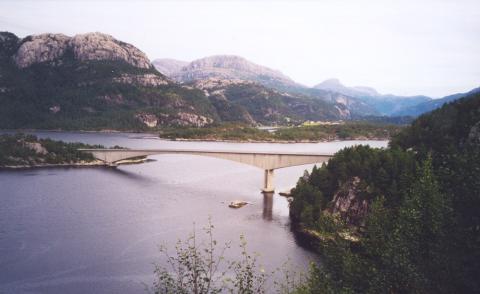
(357, 101)
(94, 81)
(391, 105)
(230, 67)
(427, 106)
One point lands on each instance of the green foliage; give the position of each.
(87, 97)
(383, 172)
(19, 149)
(243, 132)
(421, 232)
(201, 267)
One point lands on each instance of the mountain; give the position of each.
(230, 67)
(226, 67)
(384, 104)
(169, 66)
(89, 81)
(427, 106)
(253, 103)
(335, 85)
(93, 81)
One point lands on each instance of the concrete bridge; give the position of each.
(268, 161)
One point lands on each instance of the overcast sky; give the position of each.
(407, 47)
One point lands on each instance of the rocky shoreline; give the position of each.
(96, 163)
(47, 165)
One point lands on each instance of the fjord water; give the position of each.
(97, 230)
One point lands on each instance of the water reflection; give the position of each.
(267, 205)
(128, 174)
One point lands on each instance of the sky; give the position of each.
(409, 47)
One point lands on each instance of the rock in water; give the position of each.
(237, 204)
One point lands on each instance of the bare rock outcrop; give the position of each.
(91, 46)
(150, 120)
(98, 46)
(185, 119)
(146, 80)
(348, 203)
(216, 83)
(474, 134)
(37, 147)
(41, 48)
(225, 67)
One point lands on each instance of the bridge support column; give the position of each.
(268, 183)
(267, 205)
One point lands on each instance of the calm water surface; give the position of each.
(97, 230)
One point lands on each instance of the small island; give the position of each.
(24, 151)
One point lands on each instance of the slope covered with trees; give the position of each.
(49, 84)
(402, 219)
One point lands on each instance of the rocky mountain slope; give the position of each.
(253, 103)
(226, 67)
(89, 81)
(93, 81)
(230, 67)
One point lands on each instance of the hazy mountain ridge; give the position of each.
(384, 104)
(336, 86)
(168, 66)
(351, 102)
(418, 109)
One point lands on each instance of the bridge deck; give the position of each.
(206, 151)
(265, 160)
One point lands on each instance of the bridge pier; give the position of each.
(267, 205)
(268, 181)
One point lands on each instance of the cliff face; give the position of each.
(91, 46)
(349, 204)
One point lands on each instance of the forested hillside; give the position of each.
(89, 81)
(402, 219)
